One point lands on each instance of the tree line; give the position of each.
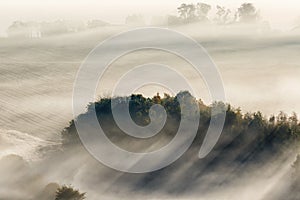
(268, 131)
(199, 12)
(246, 139)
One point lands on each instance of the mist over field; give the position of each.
(260, 70)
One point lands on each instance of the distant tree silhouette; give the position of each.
(247, 13)
(188, 13)
(202, 11)
(223, 15)
(183, 11)
(192, 13)
(68, 193)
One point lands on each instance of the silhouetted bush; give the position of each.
(68, 193)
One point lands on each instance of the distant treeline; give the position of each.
(246, 13)
(33, 29)
(202, 12)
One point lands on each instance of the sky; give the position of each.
(281, 14)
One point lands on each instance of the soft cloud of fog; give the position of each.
(260, 72)
(280, 14)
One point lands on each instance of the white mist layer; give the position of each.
(22, 144)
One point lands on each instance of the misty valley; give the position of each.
(227, 129)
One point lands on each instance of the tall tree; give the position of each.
(223, 15)
(183, 11)
(187, 13)
(202, 11)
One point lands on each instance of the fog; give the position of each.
(260, 71)
(282, 15)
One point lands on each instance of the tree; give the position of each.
(183, 11)
(157, 99)
(202, 11)
(223, 15)
(247, 13)
(282, 118)
(293, 119)
(191, 12)
(187, 12)
(68, 193)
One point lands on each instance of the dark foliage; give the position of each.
(247, 140)
(249, 128)
(68, 193)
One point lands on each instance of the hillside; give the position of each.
(250, 145)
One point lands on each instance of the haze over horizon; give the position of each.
(282, 15)
(203, 106)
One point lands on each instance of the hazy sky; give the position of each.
(281, 14)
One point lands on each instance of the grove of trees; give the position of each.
(248, 139)
(188, 13)
(268, 133)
